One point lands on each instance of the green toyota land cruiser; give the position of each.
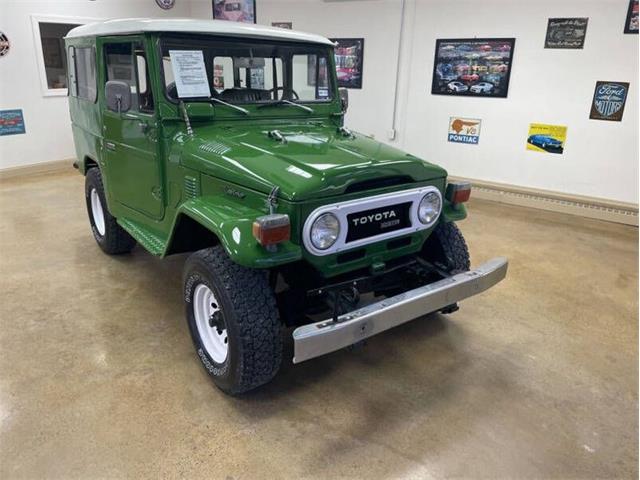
(228, 141)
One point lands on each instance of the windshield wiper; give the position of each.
(286, 102)
(230, 105)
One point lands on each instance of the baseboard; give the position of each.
(37, 169)
(590, 207)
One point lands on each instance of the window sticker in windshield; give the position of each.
(190, 73)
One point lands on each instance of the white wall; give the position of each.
(547, 86)
(48, 126)
(378, 21)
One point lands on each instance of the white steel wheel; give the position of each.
(211, 326)
(97, 213)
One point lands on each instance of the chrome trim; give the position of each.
(323, 337)
(342, 209)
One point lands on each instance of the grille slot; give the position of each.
(191, 188)
(351, 256)
(377, 183)
(214, 147)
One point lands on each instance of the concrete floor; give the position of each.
(537, 378)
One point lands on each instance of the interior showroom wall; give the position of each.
(395, 103)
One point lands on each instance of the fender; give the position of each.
(453, 213)
(232, 224)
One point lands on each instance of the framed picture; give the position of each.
(566, 32)
(235, 10)
(546, 138)
(349, 53)
(287, 25)
(476, 67)
(631, 23)
(608, 101)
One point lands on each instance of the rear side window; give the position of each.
(82, 73)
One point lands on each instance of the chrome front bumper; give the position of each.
(319, 338)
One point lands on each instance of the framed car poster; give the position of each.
(566, 33)
(235, 10)
(608, 101)
(546, 138)
(11, 122)
(349, 53)
(476, 67)
(631, 23)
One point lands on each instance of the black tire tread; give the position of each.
(454, 247)
(116, 240)
(255, 314)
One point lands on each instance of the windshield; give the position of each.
(239, 71)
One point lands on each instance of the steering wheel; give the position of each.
(275, 90)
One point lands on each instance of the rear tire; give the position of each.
(240, 344)
(111, 237)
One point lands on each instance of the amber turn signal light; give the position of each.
(272, 229)
(458, 192)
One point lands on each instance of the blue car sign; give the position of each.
(609, 99)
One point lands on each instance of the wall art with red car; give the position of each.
(477, 67)
(631, 23)
(349, 54)
(11, 122)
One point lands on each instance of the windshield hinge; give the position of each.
(277, 135)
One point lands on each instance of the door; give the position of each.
(130, 147)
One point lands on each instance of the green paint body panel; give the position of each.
(156, 174)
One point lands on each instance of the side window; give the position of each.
(127, 63)
(85, 72)
(71, 72)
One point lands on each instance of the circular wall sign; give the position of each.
(166, 4)
(4, 44)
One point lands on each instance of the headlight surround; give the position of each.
(429, 208)
(325, 231)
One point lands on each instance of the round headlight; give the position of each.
(429, 208)
(325, 231)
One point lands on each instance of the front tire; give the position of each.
(233, 319)
(110, 236)
(447, 248)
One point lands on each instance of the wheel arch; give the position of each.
(204, 222)
(88, 162)
(189, 235)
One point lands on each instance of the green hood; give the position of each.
(315, 161)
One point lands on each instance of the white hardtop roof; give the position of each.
(188, 25)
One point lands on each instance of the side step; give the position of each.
(145, 237)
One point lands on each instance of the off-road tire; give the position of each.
(454, 247)
(115, 240)
(250, 314)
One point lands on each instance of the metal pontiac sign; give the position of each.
(464, 130)
(609, 99)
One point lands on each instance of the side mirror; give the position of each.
(118, 96)
(344, 98)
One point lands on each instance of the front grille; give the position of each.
(376, 221)
(377, 183)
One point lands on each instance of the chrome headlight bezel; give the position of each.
(331, 224)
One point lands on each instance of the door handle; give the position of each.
(110, 146)
(143, 126)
